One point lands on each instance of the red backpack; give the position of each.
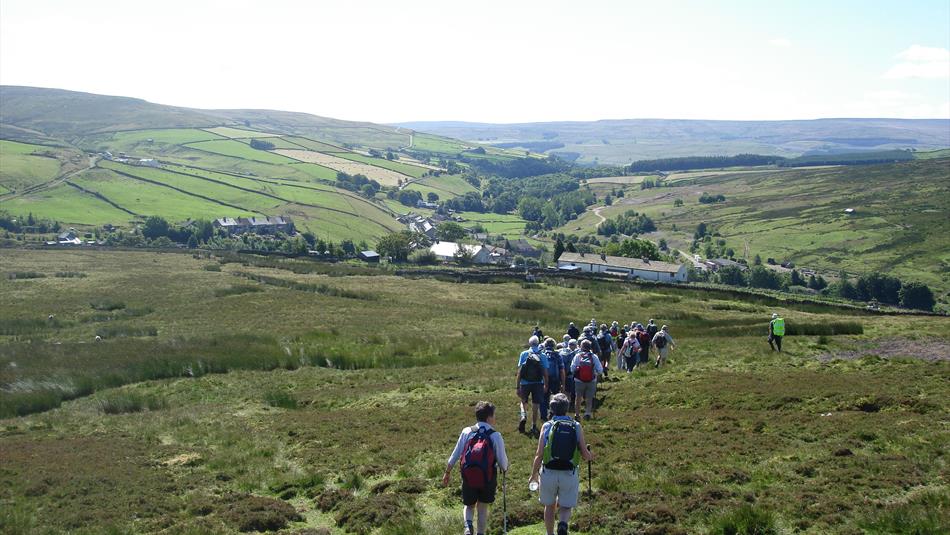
(585, 368)
(644, 338)
(478, 460)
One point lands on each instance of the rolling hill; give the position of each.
(182, 163)
(623, 141)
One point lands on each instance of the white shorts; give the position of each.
(559, 486)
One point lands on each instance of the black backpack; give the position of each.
(660, 342)
(604, 344)
(532, 371)
(561, 451)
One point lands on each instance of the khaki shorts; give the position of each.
(559, 486)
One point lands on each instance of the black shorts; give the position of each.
(485, 495)
(534, 391)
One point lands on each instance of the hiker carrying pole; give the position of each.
(561, 446)
(481, 451)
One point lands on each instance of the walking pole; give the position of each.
(504, 501)
(590, 489)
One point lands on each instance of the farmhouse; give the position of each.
(618, 265)
(718, 263)
(445, 251)
(69, 238)
(420, 224)
(257, 225)
(369, 256)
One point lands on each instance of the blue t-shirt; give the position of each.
(524, 357)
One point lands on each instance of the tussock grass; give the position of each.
(70, 275)
(300, 267)
(118, 331)
(322, 289)
(746, 520)
(237, 290)
(106, 305)
(126, 402)
(526, 304)
(21, 326)
(20, 275)
(281, 399)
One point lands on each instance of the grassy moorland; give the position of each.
(899, 225)
(243, 393)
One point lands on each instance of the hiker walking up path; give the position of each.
(532, 381)
(776, 332)
(646, 340)
(482, 451)
(663, 343)
(556, 462)
(630, 352)
(585, 368)
(556, 374)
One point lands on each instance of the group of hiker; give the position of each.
(556, 377)
(574, 365)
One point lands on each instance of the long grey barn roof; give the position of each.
(620, 261)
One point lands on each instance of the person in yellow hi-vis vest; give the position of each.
(776, 332)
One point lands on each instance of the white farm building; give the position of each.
(651, 270)
(445, 251)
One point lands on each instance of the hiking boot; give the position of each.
(469, 530)
(534, 431)
(521, 425)
(587, 417)
(562, 528)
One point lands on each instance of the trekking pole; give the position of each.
(504, 501)
(590, 489)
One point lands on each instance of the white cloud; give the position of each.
(921, 62)
(780, 42)
(918, 53)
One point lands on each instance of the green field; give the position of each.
(21, 166)
(313, 145)
(150, 199)
(446, 186)
(321, 421)
(440, 145)
(238, 133)
(507, 225)
(67, 205)
(229, 147)
(278, 142)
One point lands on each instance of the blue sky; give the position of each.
(494, 61)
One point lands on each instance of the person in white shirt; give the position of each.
(478, 490)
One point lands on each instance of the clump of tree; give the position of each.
(702, 162)
(450, 231)
(409, 197)
(29, 223)
(358, 183)
(630, 223)
(633, 248)
(706, 198)
(260, 144)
